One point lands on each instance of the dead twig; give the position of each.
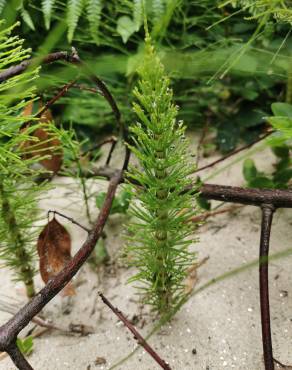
(136, 334)
(204, 216)
(234, 152)
(69, 219)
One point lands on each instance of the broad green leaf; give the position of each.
(125, 28)
(249, 170)
(261, 182)
(25, 345)
(204, 203)
(282, 109)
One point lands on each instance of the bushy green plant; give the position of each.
(281, 145)
(19, 191)
(160, 231)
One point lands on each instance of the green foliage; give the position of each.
(99, 255)
(94, 8)
(121, 201)
(281, 145)
(279, 9)
(75, 8)
(19, 191)
(160, 231)
(280, 177)
(282, 122)
(47, 9)
(25, 345)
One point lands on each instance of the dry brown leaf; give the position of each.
(47, 145)
(54, 250)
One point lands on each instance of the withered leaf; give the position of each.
(48, 144)
(54, 250)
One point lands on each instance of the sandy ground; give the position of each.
(218, 328)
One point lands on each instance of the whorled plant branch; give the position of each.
(10, 330)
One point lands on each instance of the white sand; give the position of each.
(218, 328)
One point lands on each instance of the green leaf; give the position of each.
(282, 109)
(25, 345)
(47, 7)
(281, 151)
(204, 203)
(282, 177)
(227, 136)
(261, 182)
(94, 8)
(27, 19)
(2, 4)
(125, 28)
(120, 204)
(138, 13)
(249, 170)
(75, 8)
(99, 254)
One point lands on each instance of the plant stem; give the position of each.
(161, 278)
(267, 217)
(17, 244)
(84, 191)
(289, 86)
(137, 335)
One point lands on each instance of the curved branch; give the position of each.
(50, 58)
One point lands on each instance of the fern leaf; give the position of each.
(2, 4)
(158, 7)
(27, 18)
(138, 13)
(75, 8)
(47, 7)
(94, 8)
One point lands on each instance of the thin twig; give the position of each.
(267, 217)
(111, 139)
(69, 219)
(10, 330)
(205, 215)
(234, 152)
(50, 58)
(137, 335)
(112, 148)
(279, 364)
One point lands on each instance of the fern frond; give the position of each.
(2, 4)
(94, 8)
(74, 12)
(27, 18)
(47, 8)
(158, 8)
(138, 13)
